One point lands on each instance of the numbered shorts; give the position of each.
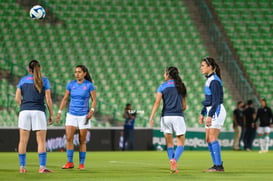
(32, 120)
(263, 130)
(77, 121)
(170, 124)
(218, 118)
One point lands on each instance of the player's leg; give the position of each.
(260, 132)
(82, 151)
(180, 130)
(267, 139)
(82, 139)
(22, 146)
(69, 132)
(41, 142)
(24, 124)
(215, 149)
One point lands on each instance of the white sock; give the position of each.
(261, 140)
(266, 142)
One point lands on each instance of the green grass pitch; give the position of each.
(142, 165)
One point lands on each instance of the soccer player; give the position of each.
(30, 94)
(173, 92)
(213, 110)
(264, 115)
(79, 114)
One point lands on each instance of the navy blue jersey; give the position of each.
(172, 100)
(32, 99)
(264, 115)
(79, 97)
(214, 95)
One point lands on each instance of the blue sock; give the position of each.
(170, 152)
(178, 152)
(217, 152)
(22, 159)
(82, 157)
(42, 159)
(70, 154)
(211, 153)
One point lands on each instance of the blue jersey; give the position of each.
(214, 95)
(32, 99)
(172, 100)
(79, 97)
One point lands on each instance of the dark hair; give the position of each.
(174, 74)
(249, 102)
(34, 66)
(128, 105)
(239, 102)
(211, 62)
(84, 69)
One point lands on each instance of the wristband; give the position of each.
(60, 111)
(92, 109)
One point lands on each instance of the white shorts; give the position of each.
(217, 119)
(263, 130)
(170, 124)
(77, 121)
(32, 120)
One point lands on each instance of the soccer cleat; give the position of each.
(44, 170)
(220, 168)
(215, 168)
(81, 166)
(23, 170)
(68, 165)
(211, 169)
(173, 166)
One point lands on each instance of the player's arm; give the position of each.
(93, 105)
(155, 107)
(62, 105)
(49, 105)
(184, 104)
(18, 96)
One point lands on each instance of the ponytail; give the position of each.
(84, 69)
(211, 62)
(179, 84)
(35, 68)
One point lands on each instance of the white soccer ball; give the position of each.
(37, 12)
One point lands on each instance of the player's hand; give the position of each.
(201, 119)
(58, 117)
(50, 120)
(151, 122)
(208, 121)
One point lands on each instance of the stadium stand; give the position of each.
(126, 45)
(249, 27)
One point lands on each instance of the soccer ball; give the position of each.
(37, 12)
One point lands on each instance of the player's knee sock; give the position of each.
(211, 153)
(178, 152)
(261, 141)
(266, 142)
(170, 152)
(22, 159)
(217, 152)
(42, 159)
(70, 154)
(82, 156)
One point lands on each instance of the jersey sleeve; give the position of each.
(91, 87)
(46, 83)
(19, 85)
(160, 89)
(68, 86)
